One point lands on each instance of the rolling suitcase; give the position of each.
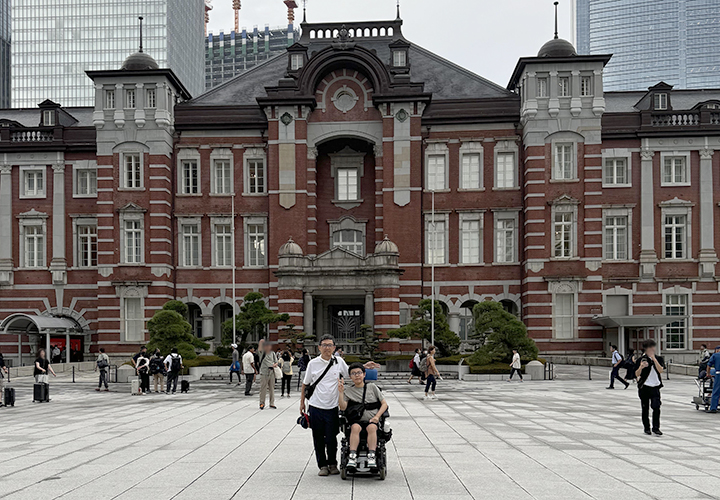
(184, 386)
(9, 396)
(41, 393)
(135, 387)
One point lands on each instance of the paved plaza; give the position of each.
(566, 439)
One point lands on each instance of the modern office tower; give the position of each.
(675, 41)
(56, 41)
(4, 53)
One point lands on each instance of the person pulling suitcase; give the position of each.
(7, 394)
(41, 390)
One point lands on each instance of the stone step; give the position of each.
(381, 376)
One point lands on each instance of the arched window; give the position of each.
(349, 239)
(467, 325)
(510, 306)
(195, 319)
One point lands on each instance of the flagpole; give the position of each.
(232, 227)
(432, 274)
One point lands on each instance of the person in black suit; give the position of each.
(648, 369)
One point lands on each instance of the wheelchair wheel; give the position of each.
(382, 473)
(343, 473)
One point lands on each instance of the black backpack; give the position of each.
(175, 364)
(156, 366)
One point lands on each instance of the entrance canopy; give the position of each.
(637, 321)
(30, 323)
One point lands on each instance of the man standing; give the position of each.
(617, 361)
(649, 369)
(268, 362)
(3, 374)
(55, 354)
(248, 367)
(173, 365)
(102, 363)
(143, 353)
(322, 378)
(515, 366)
(713, 370)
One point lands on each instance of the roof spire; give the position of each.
(398, 9)
(556, 6)
(304, 7)
(141, 19)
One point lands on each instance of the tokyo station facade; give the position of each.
(590, 215)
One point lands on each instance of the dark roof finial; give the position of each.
(304, 8)
(398, 9)
(556, 31)
(141, 20)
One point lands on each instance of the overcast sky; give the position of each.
(485, 36)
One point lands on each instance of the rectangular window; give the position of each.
(256, 245)
(49, 118)
(471, 171)
(435, 242)
(109, 99)
(133, 242)
(616, 171)
(585, 86)
(296, 61)
(660, 101)
(34, 246)
(505, 240)
(222, 176)
(132, 175)
(676, 332)
(564, 86)
(256, 176)
(86, 181)
(436, 172)
(675, 170)
(563, 162)
(190, 177)
(564, 315)
(616, 238)
(505, 171)
(470, 241)
(347, 184)
(130, 98)
(34, 182)
(87, 246)
(150, 98)
(134, 321)
(191, 245)
(223, 245)
(563, 235)
(399, 58)
(542, 87)
(675, 232)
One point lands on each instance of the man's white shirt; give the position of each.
(247, 361)
(326, 392)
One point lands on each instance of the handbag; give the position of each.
(277, 371)
(309, 389)
(354, 410)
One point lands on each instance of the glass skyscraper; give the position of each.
(56, 41)
(4, 53)
(675, 41)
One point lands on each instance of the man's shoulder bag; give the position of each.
(309, 389)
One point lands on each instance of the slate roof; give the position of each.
(30, 117)
(624, 102)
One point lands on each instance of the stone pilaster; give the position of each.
(308, 313)
(707, 256)
(312, 223)
(6, 225)
(58, 264)
(648, 255)
(369, 309)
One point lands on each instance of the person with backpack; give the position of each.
(157, 370)
(629, 365)
(617, 361)
(235, 366)
(173, 365)
(143, 369)
(102, 363)
(302, 366)
(415, 368)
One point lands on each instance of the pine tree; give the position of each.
(168, 328)
(253, 318)
(446, 340)
(500, 332)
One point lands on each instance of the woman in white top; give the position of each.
(515, 366)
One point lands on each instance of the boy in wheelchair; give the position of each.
(364, 411)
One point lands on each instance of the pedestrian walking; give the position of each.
(3, 374)
(157, 370)
(235, 366)
(302, 366)
(515, 365)
(287, 372)
(321, 382)
(43, 368)
(173, 365)
(268, 363)
(102, 364)
(249, 369)
(430, 373)
(617, 361)
(648, 370)
(713, 370)
(55, 354)
(415, 368)
(143, 369)
(629, 365)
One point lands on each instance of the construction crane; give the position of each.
(208, 8)
(236, 8)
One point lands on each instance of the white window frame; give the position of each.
(437, 149)
(133, 215)
(140, 178)
(81, 244)
(687, 294)
(612, 155)
(573, 160)
(351, 223)
(214, 223)
(48, 118)
(505, 215)
(506, 147)
(34, 170)
(471, 217)
(467, 150)
(132, 293)
(677, 208)
(79, 167)
(347, 182)
(660, 101)
(564, 89)
(151, 98)
(253, 155)
(442, 237)
(557, 317)
(296, 61)
(356, 232)
(675, 155)
(130, 98)
(399, 58)
(222, 155)
(36, 220)
(618, 212)
(77, 223)
(188, 156)
(541, 87)
(255, 221)
(347, 158)
(586, 86)
(565, 207)
(189, 222)
(109, 99)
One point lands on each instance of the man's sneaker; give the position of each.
(352, 462)
(334, 471)
(323, 471)
(647, 431)
(610, 387)
(711, 411)
(433, 396)
(657, 432)
(371, 461)
(425, 397)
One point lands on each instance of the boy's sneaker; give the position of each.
(425, 397)
(333, 469)
(323, 471)
(371, 461)
(352, 462)
(433, 396)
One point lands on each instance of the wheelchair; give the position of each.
(362, 469)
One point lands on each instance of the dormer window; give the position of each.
(296, 61)
(399, 58)
(48, 118)
(660, 101)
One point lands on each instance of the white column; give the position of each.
(67, 348)
(454, 322)
(369, 309)
(208, 326)
(308, 313)
(319, 317)
(648, 256)
(708, 256)
(58, 264)
(6, 224)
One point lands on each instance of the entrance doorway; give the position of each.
(345, 321)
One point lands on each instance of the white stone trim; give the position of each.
(505, 147)
(33, 218)
(688, 169)
(24, 169)
(183, 221)
(618, 212)
(471, 216)
(617, 153)
(183, 155)
(254, 154)
(222, 154)
(437, 149)
(470, 148)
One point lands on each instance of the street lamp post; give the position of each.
(232, 229)
(432, 273)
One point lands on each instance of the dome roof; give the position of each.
(139, 61)
(290, 248)
(386, 246)
(557, 47)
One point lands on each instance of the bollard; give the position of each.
(667, 376)
(73, 374)
(589, 372)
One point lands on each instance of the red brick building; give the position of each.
(588, 214)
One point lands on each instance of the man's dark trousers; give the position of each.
(172, 378)
(615, 374)
(650, 398)
(325, 428)
(249, 377)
